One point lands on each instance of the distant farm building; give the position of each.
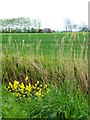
(47, 30)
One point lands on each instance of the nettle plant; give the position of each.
(26, 89)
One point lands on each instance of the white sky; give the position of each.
(51, 13)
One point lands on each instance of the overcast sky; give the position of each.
(51, 13)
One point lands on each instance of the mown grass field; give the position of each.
(59, 60)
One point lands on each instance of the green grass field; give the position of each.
(59, 60)
(46, 43)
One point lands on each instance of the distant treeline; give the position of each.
(18, 25)
(26, 25)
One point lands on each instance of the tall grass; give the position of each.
(60, 60)
(68, 60)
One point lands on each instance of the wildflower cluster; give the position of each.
(26, 90)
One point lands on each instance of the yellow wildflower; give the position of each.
(19, 95)
(45, 85)
(15, 86)
(40, 85)
(16, 82)
(10, 84)
(47, 90)
(26, 78)
(12, 88)
(33, 87)
(16, 94)
(38, 88)
(23, 95)
(38, 94)
(29, 85)
(22, 90)
(37, 82)
(22, 86)
(8, 87)
(28, 88)
(36, 85)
